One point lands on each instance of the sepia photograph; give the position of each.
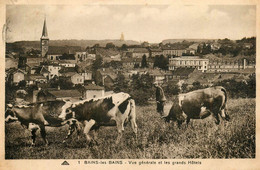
(130, 81)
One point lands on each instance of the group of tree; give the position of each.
(161, 62)
(139, 87)
(204, 49)
(240, 89)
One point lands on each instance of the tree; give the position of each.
(144, 62)
(124, 47)
(161, 62)
(97, 63)
(120, 83)
(110, 45)
(172, 88)
(141, 88)
(22, 84)
(96, 46)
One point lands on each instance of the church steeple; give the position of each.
(44, 30)
(44, 40)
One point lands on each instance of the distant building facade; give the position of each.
(189, 62)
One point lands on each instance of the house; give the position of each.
(231, 65)
(155, 52)
(17, 75)
(140, 52)
(34, 79)
(53, 57)
(72, 95)
(29, 60)
(11, 63)
(194, 46)
(130, 63)
(182, 72)
(169, 51)
(160, 76)
(55, 52)
(77, 79)
(53, 70)
(81, 56)
(67, 63)
(87, 75)
(189, 62)
(93, 91)
(106, 77)
(190, 51)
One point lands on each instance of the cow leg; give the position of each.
(179, 122)
(224, 115)
(43, 134)
(187, 121)
(33, 132)
(88, 125)
(120, 129)
(215, 114)
(70, 132)
(78, 129)
(33, 128)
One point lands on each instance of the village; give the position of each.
(72, 72)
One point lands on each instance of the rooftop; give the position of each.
(93, 87)
(65, 93)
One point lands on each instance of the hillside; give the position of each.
(82, 43)
(189, 40)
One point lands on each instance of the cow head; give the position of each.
(10, 114)
(66, 111)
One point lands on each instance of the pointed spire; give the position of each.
(44, 30)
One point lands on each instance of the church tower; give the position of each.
(44, 40)
(122, 37)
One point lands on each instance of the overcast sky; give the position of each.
(142, 23)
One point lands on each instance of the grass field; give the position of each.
(156, 139)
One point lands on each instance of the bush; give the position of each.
(241, 89)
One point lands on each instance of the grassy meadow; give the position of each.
(156, 139)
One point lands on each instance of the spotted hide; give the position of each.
(199, 104)
(39, 115)
(113, 110)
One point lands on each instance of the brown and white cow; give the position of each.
(38, 115)
(199, 104)
(113, 110)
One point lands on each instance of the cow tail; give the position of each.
(225, 92)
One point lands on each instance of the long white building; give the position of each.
(189, 62)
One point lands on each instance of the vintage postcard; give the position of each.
(129, 85)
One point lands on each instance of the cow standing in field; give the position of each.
(114, 110)
(38, 115)
(199, 104)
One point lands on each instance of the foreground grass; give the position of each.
(156, 139)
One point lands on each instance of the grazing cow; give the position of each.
(113, 110)
(40, 114)
(199, 104)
